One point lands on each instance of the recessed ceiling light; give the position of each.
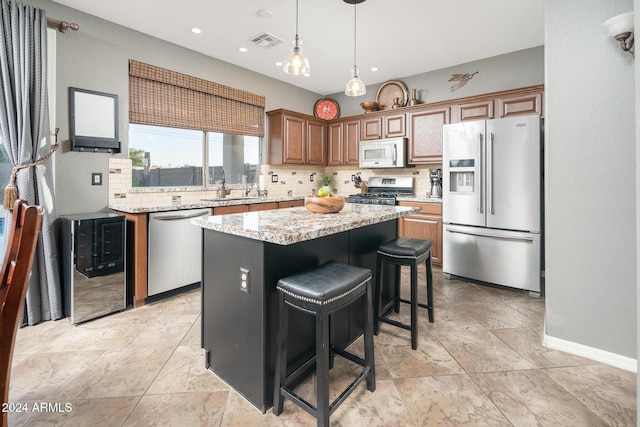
(279, 64)
(196, 30)
(374, 68)
(242, 49)
(307, 74)
(264, 13)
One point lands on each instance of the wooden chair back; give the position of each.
(25, 228)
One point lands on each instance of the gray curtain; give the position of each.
(24, 122)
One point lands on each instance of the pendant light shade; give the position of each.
(355, 86)
(296, 63)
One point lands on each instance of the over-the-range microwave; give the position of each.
(383, 153)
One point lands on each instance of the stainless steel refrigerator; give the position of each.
(492, 202)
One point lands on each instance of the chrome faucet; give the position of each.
(247, 188)
(224, 191)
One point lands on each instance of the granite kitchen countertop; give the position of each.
(293, 225)
(419, 199)
(205, 203)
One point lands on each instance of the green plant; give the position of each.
(327, 180)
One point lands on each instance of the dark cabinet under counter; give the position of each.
(239, 321)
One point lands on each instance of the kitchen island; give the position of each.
(244, 256)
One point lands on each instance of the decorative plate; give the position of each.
(326, 108)
(388, 91)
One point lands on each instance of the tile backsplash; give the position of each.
(292, 181)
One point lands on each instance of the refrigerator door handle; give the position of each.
(490, 173)
(481, 174)
(489, 234)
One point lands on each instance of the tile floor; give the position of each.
(480, 364)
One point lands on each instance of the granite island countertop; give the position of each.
(293, 225)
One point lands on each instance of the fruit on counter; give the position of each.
(323, 192)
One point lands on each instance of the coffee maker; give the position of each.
(436, 183)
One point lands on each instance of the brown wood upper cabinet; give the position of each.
(425, 134)
(296, 139)
(342, 143)
(517, 105)
(299, 139)
(475, 111)
(383, 126)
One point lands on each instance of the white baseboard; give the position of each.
(616, 360)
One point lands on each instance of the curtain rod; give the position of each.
(62, 25)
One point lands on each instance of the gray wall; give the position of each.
(590, 178)
(96, 58)
(514, 70)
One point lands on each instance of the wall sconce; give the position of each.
(620, 27)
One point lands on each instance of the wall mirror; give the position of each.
(93, 121)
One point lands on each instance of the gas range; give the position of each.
(373, 198)
(384, 190)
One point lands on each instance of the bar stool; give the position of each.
(399, 252)
(320, 292)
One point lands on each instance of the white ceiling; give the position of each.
(400, 37)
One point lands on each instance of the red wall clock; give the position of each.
(327, 109)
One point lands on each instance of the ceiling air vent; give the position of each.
(266, 40)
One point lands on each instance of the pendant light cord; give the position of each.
(296, 20)
(355, 23)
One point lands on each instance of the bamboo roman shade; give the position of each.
(163, 97)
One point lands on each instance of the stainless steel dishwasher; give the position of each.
(174, 250)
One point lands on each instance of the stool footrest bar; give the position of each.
(395, 323)
(350, 356)
(419, 304)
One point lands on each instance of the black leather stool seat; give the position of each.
(328, 283)
(320, 292)
(403, 247)
(404, 252)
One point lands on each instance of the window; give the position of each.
(184, 131)
(238, 155)
(168, 157)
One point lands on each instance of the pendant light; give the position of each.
(355, 86)
(296, 63)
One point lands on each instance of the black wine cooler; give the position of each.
(93, 265)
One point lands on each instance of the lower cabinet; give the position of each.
(426, 224)
(224, 210)
(263, 206)
(291, 204)
(253, 207)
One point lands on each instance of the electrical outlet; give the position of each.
(245, 280)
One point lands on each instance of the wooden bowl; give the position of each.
(369, 106)
(328, 204)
